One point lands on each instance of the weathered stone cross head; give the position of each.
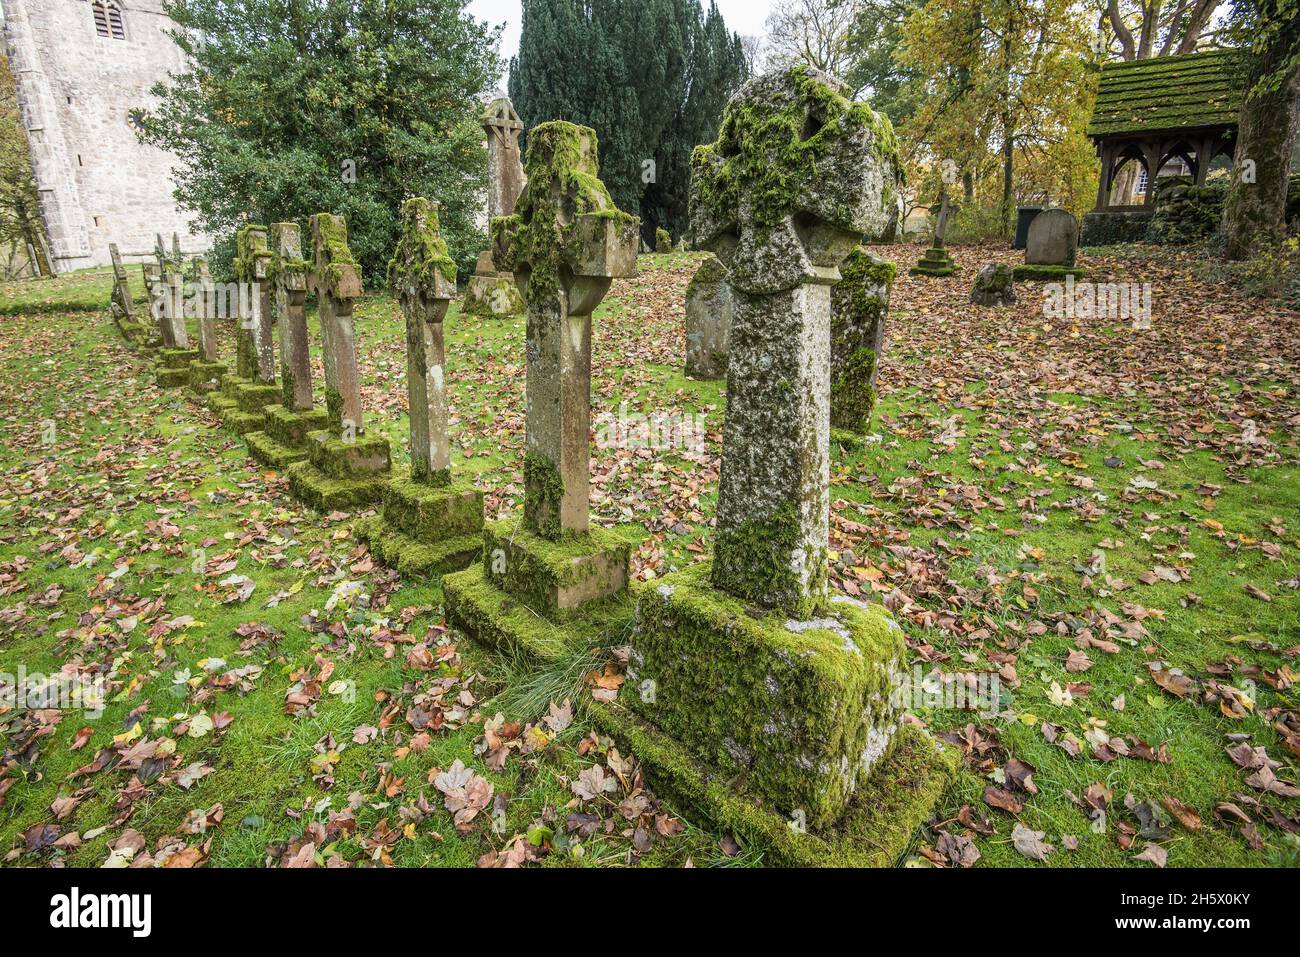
(799, 173)
(289, 266)
(336, 272)
(422, 273)
(252, 255)
(566, 234)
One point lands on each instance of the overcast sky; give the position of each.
(745, 17)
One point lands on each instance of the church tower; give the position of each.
(81, 68)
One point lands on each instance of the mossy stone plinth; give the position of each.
(171, 378)
(268, 450)
(290, 429)
(1046, 272)
(359, 458)
(875, 829)
(177, 358)
(326, 493)
(411, 556)
(234, 419)
(498, 620)
(205, 377)
(802, 709)
(431, 513)
(937, 261)
(558, 579)
(256, 396)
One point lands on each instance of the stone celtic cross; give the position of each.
(565, 244)
(337, 279)
(255, 352)
(423, 277)
(290, 271)
(799, 173)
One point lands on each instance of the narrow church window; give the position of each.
(108, 20)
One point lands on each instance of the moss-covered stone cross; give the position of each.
(338, 284)
(207, 316)
(289, 274)
(565, 244)
(254, 338)
(423, 278)
(799, 173)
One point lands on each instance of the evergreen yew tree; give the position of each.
(292, 107)
(649, 76)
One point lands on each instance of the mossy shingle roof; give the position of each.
(1168, 93)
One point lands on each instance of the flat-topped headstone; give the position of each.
(859, 310)
(565, 244)
(708, 321)
(799, 174)
(1053, 239)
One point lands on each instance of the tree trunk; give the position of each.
(1254, 212)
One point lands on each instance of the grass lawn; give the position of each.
(1108, 521)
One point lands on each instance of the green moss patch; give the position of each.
(556, 578)
(412, 556)
(267, 450)
(1044, 272)
(327, 494)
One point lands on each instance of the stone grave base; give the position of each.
(557, 579)
(426, 529)
(205, 377)
(937, 261)
(339, 474)
(174, 367)
(802, 709)
(132, 330)
(284, 440)
(241, 404)
(500, 621)
(491, 293)
(1046, 272)
(875, 830)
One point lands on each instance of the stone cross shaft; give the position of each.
(207, 310)
(565, 244)
(338, 283)
(255, 355)
(798, 175)
(291, 314)
(423, 277)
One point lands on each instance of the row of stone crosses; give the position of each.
(798, 176)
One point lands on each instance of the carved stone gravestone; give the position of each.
(751, 693)
(565, 244)
(345, 467)
(993, 286)
(708, 321)
(492, 292)
(859, 310)
(289, 421)
(429, 523)
(122, 304)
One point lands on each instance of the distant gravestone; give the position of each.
(709, 308)
(993, 286)
(1053, 239)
